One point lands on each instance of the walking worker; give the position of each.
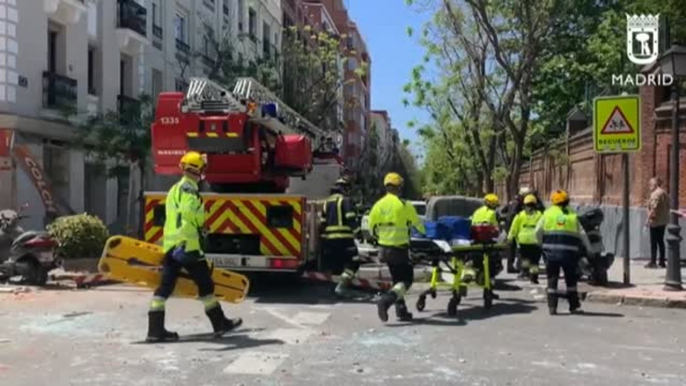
(389, 221)
(522, 231)
(183, 230)
(339, 218)
(658, 218)
(561, 235)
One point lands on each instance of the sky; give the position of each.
(383, 24)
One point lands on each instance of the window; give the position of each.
(52, 52)
(156, 14)
(352, 64)
(225, 7)
(207, 41)
(209, 4)
(157, 82)
(241, 15)
(350, 43)
(180, 27)
(252, 22)
(266, 44)
(91, 71)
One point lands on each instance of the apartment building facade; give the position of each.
(101, 55)
(357, 91)
(381, 123)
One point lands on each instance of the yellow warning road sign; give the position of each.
(617, 124)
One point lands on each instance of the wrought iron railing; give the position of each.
(58, 91)
(133, 16)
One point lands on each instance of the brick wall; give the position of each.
(592, 178)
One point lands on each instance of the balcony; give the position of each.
(59, 92)
(183, 47)
(65, 11)
(157, 36)
(131, 25)
(129, 109)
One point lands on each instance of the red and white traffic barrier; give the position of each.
(356, 282)
(86, 281)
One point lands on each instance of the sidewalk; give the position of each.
(646, 289)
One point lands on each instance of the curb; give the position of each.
(629, 300)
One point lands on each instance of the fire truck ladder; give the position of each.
(206, 96)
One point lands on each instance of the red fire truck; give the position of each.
(254, 144)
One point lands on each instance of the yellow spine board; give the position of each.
(137, 262)
(240, 215)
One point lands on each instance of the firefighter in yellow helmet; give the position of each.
(561, 237)
(522, 231)
(339, 221)
(183, 229)
(486, 214)
(389, 221)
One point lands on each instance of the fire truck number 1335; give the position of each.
(169, 120)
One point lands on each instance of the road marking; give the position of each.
(311, 318)
(256, 363)
(284, 318)
(290, 335)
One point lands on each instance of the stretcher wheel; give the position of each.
(421, 303)
(488, 299)
(433, 294)
(452, 305)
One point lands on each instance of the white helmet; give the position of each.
(525, 191)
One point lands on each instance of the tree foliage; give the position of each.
(511, 71)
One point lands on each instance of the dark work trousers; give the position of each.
(398, 261)
(339, 255)
(657, 241)
(197, 270)
(531, 253)
(553, 269)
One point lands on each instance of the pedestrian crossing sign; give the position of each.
(617, 124)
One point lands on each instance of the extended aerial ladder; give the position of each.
(255, 141)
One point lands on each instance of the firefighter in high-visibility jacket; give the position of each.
(561, 237)
(523, 232)
(183, 229)
(389, 221)
(486, 214)
(339, 221)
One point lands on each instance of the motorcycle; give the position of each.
(594, 263)
(28, 254)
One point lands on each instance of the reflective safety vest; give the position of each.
(390, 221)
(185, 217)
(523, 227)
(339, 217)
(561, 238)
(484, 215)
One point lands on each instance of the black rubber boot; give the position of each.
(156, 331)
(574, 303)
(534, 278)
(384, 304)
(552, 304)
(220, 324)
(401, 312)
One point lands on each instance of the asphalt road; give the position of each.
(299, 335)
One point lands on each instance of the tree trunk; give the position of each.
(515, 166)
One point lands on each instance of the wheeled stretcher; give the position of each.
(470, 265)
(132, 261)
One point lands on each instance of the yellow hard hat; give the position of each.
(530, 199)
(559, 197)
(193, 162)
(492, 199)
(393, 179)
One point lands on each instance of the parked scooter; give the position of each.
(28, 254)
(595, 263)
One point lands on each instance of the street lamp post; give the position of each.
(673, 62)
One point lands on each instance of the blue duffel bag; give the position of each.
(437, 231)
(458, 227)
